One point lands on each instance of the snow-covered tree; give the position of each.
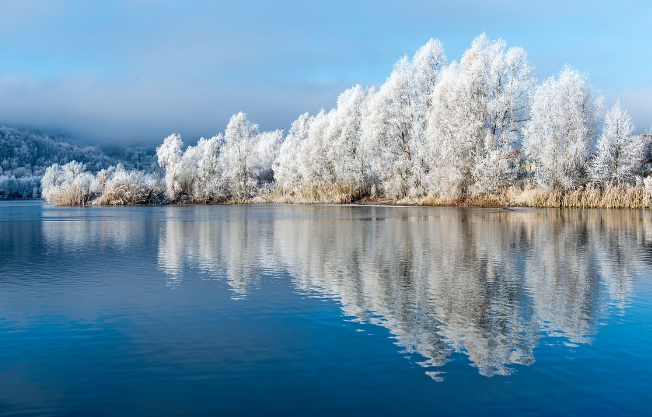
(386, 130)
(562, 129)
(394, 127)
(343, 136)
(318, 169)
(25, 153)
(288, 171)
(187, 177)
(169, 157)
(427, 64)
(479, 107)
(19, 187)
(237, 157)
(620, 154)
(267, 149)
(208, 185)
(198, 171)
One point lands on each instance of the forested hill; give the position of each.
(25, 154)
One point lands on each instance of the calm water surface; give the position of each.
(324, 310)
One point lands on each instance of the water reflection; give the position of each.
(486, 283)
(232, 247)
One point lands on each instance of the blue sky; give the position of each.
(136, 71)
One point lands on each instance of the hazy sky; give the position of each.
(136, 71)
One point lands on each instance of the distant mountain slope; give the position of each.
(26, 153)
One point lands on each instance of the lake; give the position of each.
(324, 310)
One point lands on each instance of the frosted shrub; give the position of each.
(129, 187)
(69, 184)
(647, 182)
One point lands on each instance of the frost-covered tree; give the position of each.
(511, 79)
(427, 64)
(387, 129)
(343, 139)
(268, 145)
(562, 129)
(318, 169)
(324, 150)
(620, 154)
(394, 127)
(198, 171)
(304, 158)
(27, 153)
(237, 157)
(288, 167)
(208, 184)
(480, 105)
(169, 157)
(19, 187)
(187, 177)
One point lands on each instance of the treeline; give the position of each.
(480, 130)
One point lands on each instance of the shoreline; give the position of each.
(617, 197)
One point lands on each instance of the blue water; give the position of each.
(324, 310)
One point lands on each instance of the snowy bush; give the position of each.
(69, 184)
(120, 187)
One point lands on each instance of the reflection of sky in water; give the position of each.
(214, 292)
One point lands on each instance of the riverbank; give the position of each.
(621, 197)
(588, 196)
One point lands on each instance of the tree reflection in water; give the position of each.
(485, 282)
